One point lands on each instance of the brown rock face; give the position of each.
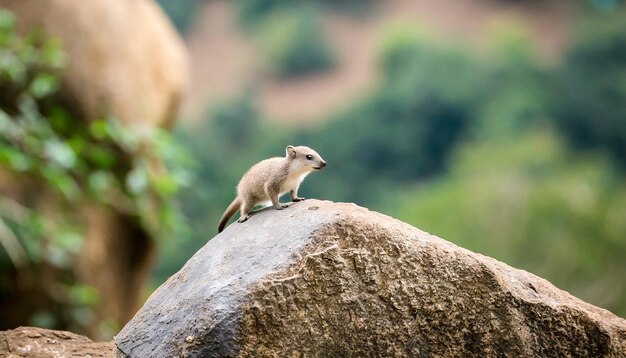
(336, 280)
(44, 343)
(124, 57)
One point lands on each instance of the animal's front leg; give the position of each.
(272, 192)
(294, 196)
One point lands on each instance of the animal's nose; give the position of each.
(323, 164)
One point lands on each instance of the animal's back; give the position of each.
(253, 181)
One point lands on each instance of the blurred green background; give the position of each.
(500, 141)
(497, 125)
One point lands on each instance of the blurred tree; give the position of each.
(518, 86)
(404, 130)
(605, 5)
(53, 172)
(252, 12)
(237, 123)
(590, 102)
(533, 205)
(293, 42)
(290, 35)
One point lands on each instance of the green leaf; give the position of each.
(83, 295)
(17, 160)
(77, 144)
(60, 120)
(43, 85)
(69, 240)
(51, 55)
(12, 68)
(59, 153)
(99, 181)
(101, 157)
(137, 180)
(122, 136)
(98, 129)
(61, 181)
(165, 185)
(7, 21)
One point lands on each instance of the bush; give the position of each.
(533, 205)
(591, 88)
(405, 129)
(518, 87)
(293, 43)
(252, 12)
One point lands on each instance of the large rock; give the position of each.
(125, 59)
(336, 280)
(45, 343)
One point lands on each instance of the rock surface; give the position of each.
(124, 58)
(337, 280)
(45, 343)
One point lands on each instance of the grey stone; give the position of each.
(336, 280)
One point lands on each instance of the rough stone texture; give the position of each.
(124, 57)
(336, 280)
(45, 343)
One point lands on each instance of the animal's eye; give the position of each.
(309, 157)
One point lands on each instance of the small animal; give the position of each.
(267, 180)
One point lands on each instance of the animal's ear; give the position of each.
(290, 152)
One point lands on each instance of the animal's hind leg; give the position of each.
(246, 208)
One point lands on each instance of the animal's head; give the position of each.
(305, 157)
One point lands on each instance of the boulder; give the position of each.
(45, 343)
(336, 280)
(124, 57)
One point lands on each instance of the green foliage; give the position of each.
(100, 163)
(91, 162)
(19, 58)
(532, 205)
(252, 12)
(181, 12)
(518, 92)
(605, 5)
(293, 43)
(289, 34)
(430, 99)
(403, 131)
(592, 88)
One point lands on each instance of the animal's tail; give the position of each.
(230, 211)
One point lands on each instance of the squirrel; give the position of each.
(267, 180)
